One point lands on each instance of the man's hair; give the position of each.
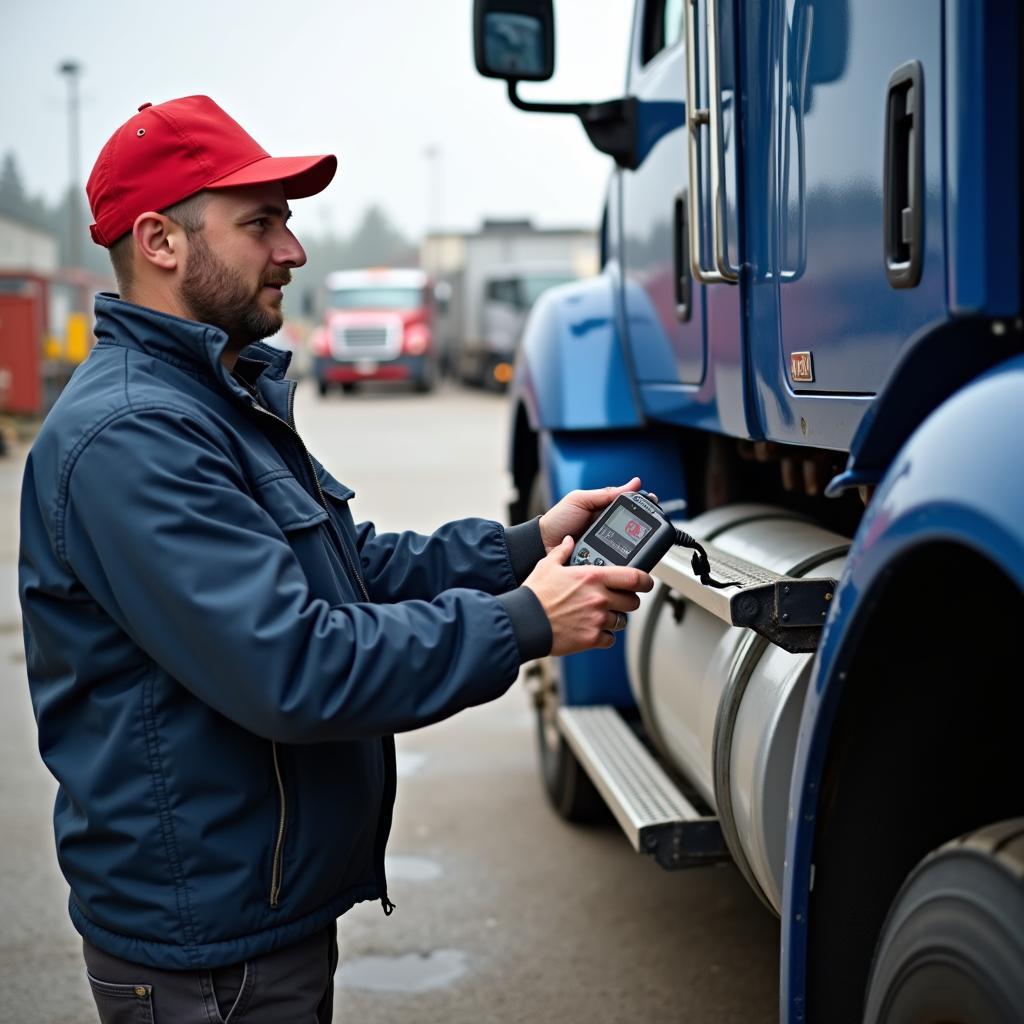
(188, 213)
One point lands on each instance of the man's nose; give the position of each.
(290, 253)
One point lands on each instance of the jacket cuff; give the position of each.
(529, 622)
(525, 548)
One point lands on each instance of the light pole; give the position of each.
(432, 154)
(71, 70)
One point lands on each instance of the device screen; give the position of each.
(623, 532)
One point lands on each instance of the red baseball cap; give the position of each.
(171, 151)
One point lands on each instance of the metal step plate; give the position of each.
(788, 611)
(656, 817)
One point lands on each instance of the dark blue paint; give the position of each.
(983, 163)
(816, 273)
(937, 490)
(933, 365)
(655, 119)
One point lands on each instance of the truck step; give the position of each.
(789, 612)
(656, 817)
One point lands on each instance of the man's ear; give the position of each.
(158, 240)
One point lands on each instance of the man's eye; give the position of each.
(260, 222)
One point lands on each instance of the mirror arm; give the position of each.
(611, 125)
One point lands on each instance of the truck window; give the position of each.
(375, 298)
(663, 26)
(531, 288)
(502, 290)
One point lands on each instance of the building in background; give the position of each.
(26, 246)
(44, 333)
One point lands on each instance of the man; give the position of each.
(218, 656)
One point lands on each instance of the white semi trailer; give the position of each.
(486, 282)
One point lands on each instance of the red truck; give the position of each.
(378, 325)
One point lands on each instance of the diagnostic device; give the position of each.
(634, 531)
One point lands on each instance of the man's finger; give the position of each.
(622, 577)
(615, 622)
(561, 553)
(623, 601)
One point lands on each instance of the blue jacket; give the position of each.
(219, 657)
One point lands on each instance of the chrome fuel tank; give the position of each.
(721, 703)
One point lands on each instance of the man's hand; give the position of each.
(586, 605)
(572, 515)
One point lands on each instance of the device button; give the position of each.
(583, 553)
(598, 561)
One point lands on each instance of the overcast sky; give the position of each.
(374, 81)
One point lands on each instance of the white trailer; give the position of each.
(473, 333)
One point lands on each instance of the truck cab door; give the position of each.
(664, 312)
(685, 338)
(844, 145)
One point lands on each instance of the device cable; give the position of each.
(700, 562)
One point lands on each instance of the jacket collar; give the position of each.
(191, 345)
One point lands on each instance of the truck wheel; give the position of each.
(567, 785)
(425, 382)
(952, 948)
(348, 387)
(322, 387)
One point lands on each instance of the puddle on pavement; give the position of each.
(413, 972)
(409, 762)
(412, 869)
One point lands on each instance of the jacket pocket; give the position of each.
(121, 1003)
(289, 504)
(337, 496)
(333, 488)
(306, 526)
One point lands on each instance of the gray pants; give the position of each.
(294, 985)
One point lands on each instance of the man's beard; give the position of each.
(215, 294)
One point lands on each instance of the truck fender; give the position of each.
(957, 480)
(572, 371)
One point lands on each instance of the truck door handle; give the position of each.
(680, 261)
(903, 180)
(695, 120)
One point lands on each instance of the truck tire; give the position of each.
(952, 948)
(426, 381)
(567, 785)
(322, 387)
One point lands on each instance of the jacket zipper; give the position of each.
(387, 743)
(276, 867)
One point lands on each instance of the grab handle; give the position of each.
(697, 118)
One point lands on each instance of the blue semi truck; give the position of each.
(807, 339)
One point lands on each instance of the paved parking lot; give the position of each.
(504, 913)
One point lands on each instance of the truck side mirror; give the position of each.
(514, 39)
